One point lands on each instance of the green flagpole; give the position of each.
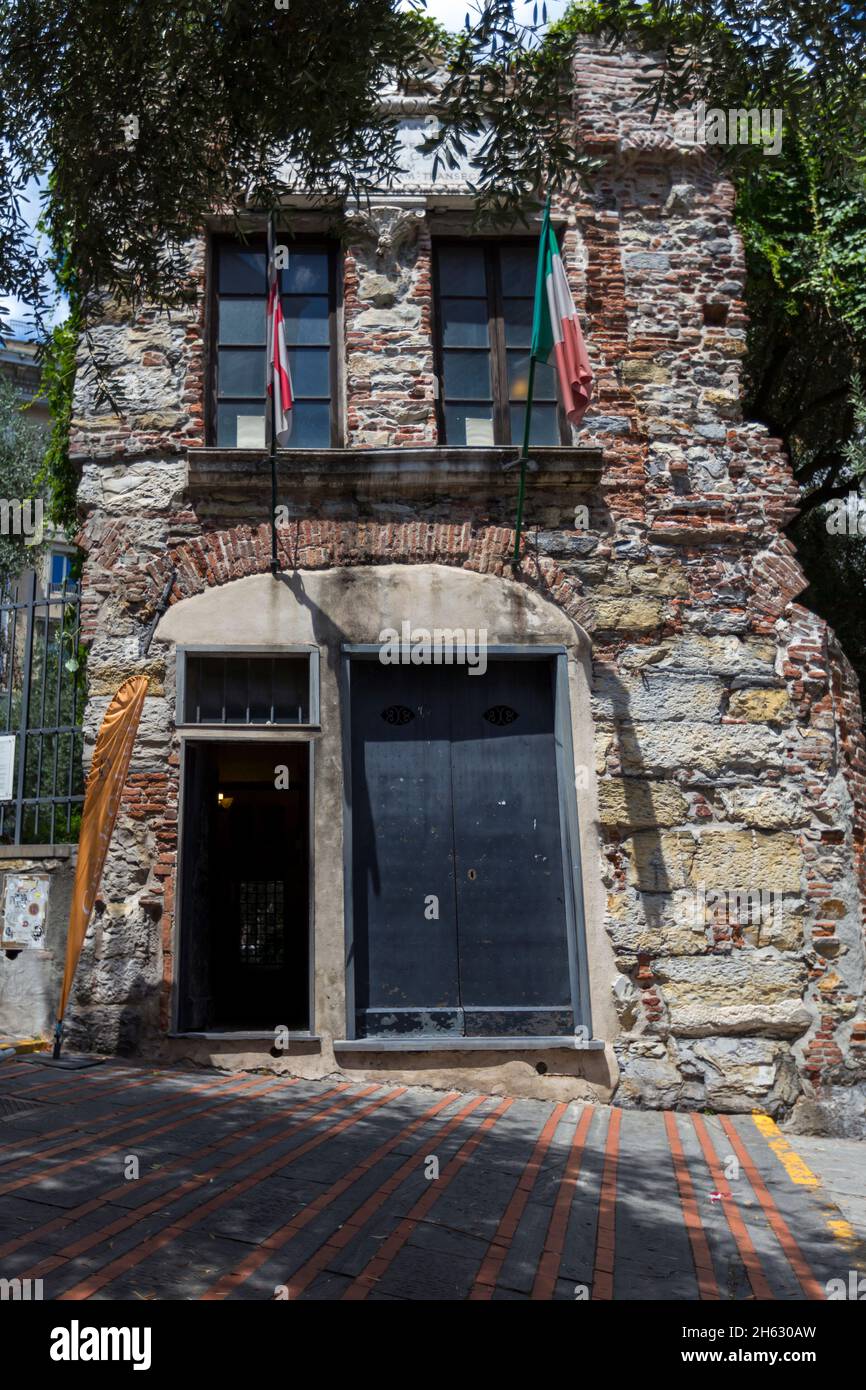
(530, 387)
(524, 455)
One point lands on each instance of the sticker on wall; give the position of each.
(7, 766)
(25, 910)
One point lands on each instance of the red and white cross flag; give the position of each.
(280, 395)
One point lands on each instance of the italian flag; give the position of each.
(556, 335)
(279, 374)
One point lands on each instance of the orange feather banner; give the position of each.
(102, 793)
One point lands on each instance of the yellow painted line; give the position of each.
(24, 1044)
(843, 1230)
(798, 1171)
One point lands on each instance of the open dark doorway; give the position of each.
(245, 891)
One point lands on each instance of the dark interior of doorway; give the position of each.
(245, 894)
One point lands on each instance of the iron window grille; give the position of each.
(262, 924)
(247, 688)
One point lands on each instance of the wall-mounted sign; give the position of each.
(25, 910)
(7, 767)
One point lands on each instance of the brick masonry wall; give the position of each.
(730, 753)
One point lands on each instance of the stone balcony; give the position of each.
(221, 479)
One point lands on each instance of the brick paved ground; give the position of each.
(327, 1190)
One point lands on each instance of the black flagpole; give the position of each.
(272, 255)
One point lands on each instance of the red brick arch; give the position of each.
(218, 557)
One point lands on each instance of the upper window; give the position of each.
(485, 293)
(308, 286)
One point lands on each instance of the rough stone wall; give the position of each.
(389, 346)
(730, 754)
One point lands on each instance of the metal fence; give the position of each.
(41, 702)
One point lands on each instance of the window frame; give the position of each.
(66, 585)
(496, 336)
(206, 727)
(258, 242)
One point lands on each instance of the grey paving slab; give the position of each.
(357, 1254)
(579, 1254)
(429, 1275)
(326, 1286)
(441, 1239)
(521, 1263)
(180, 1270)
(475, 1200)
(652, 1245)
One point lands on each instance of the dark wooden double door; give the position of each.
(459, 889)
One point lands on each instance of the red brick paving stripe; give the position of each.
(87, 1287)
(378, 1266)
(760, 1288)
(280, 1238)
(108, 1083)
(78, 1099)
(15, 1067)
(194, 1181)
(794, 1255)
(354, 1224)
(554, 1242)
(197, 1113)
(28, 1071)
(52, 1082)
(491, 1265)
(57, 1088)
(127, 1076)
(707, 1284)
(99, 1076)
(605, 1239)
(138, 1119)
(105, 1083)
(72, 1214)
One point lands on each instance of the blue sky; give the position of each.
(10, 306)
(451, 12)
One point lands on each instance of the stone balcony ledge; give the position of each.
(215, 474)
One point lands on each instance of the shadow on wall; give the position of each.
(655, 909)
(113, 1029)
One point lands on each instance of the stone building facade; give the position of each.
(711, 764)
